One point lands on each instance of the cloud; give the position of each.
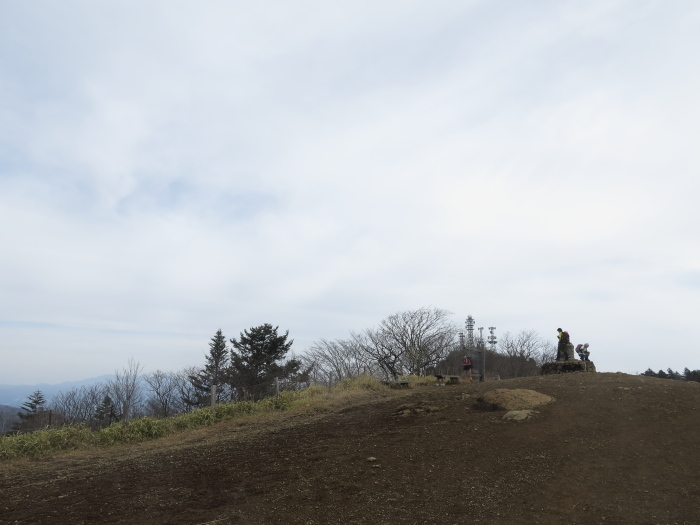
(166, 170)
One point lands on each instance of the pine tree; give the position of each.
(33, 415)
(214, 373)
(217, 358)
(691, 375)
(257, 357)
(32, 406)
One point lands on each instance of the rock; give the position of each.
(514, 399)
(519, 415)
(419, 408)
(570, 365)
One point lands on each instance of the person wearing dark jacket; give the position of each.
(561, 346)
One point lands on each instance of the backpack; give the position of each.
(565, 338)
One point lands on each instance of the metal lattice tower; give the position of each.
(470, 332)
(492, 337)
(480, 342)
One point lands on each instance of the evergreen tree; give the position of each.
(687, 375)
(257, 357)
(217, 358)
(32, 406)
(674, 375)
(691, 375)
(214, 373)
(105, 412)
(33, 415)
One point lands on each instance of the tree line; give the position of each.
(687, 375)
(258, 363)
(421, 342)
(247, 370)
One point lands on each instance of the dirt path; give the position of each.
(610, 449)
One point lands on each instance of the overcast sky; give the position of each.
(169, 168)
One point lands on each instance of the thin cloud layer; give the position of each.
(168, 169)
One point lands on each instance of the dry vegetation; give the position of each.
(54, 440)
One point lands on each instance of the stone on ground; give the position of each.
(515, 399)
(518, 415)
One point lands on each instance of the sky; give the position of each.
(169, 168)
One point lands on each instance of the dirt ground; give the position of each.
(610, 449)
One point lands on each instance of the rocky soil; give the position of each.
(606, 449)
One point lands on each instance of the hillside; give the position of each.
(611, 448)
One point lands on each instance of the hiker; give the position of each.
(564, 340)
(582, 351)
(467, 367)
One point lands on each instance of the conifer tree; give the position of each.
(257, 357)
(33, 412)
(33, 405)
(213, 373)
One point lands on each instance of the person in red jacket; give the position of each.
(467, 367)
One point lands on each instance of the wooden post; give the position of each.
(277, 387)
(482, 364)
(125, 417)
(213, 397)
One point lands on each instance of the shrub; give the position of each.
(361, 383)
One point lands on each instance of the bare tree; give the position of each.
(421, 337)
(163, 393)
(336, 360)
(411, 342)
(188, 397)
(8, 417)
(125, 389)
(524, 352)
(379, 348)
(78, 405)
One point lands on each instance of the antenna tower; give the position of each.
(470, 332)
(492, 337)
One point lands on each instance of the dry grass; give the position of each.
(312, 399)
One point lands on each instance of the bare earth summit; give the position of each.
(610, 448)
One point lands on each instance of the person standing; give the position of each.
(583, 352)
(564, 340)
(467, 368)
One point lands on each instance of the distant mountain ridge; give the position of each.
(15, 395)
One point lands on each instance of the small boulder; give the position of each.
(514, 399)
(518, 415)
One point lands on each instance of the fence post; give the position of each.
(125, 418)
(213, 397)
(482, 364)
